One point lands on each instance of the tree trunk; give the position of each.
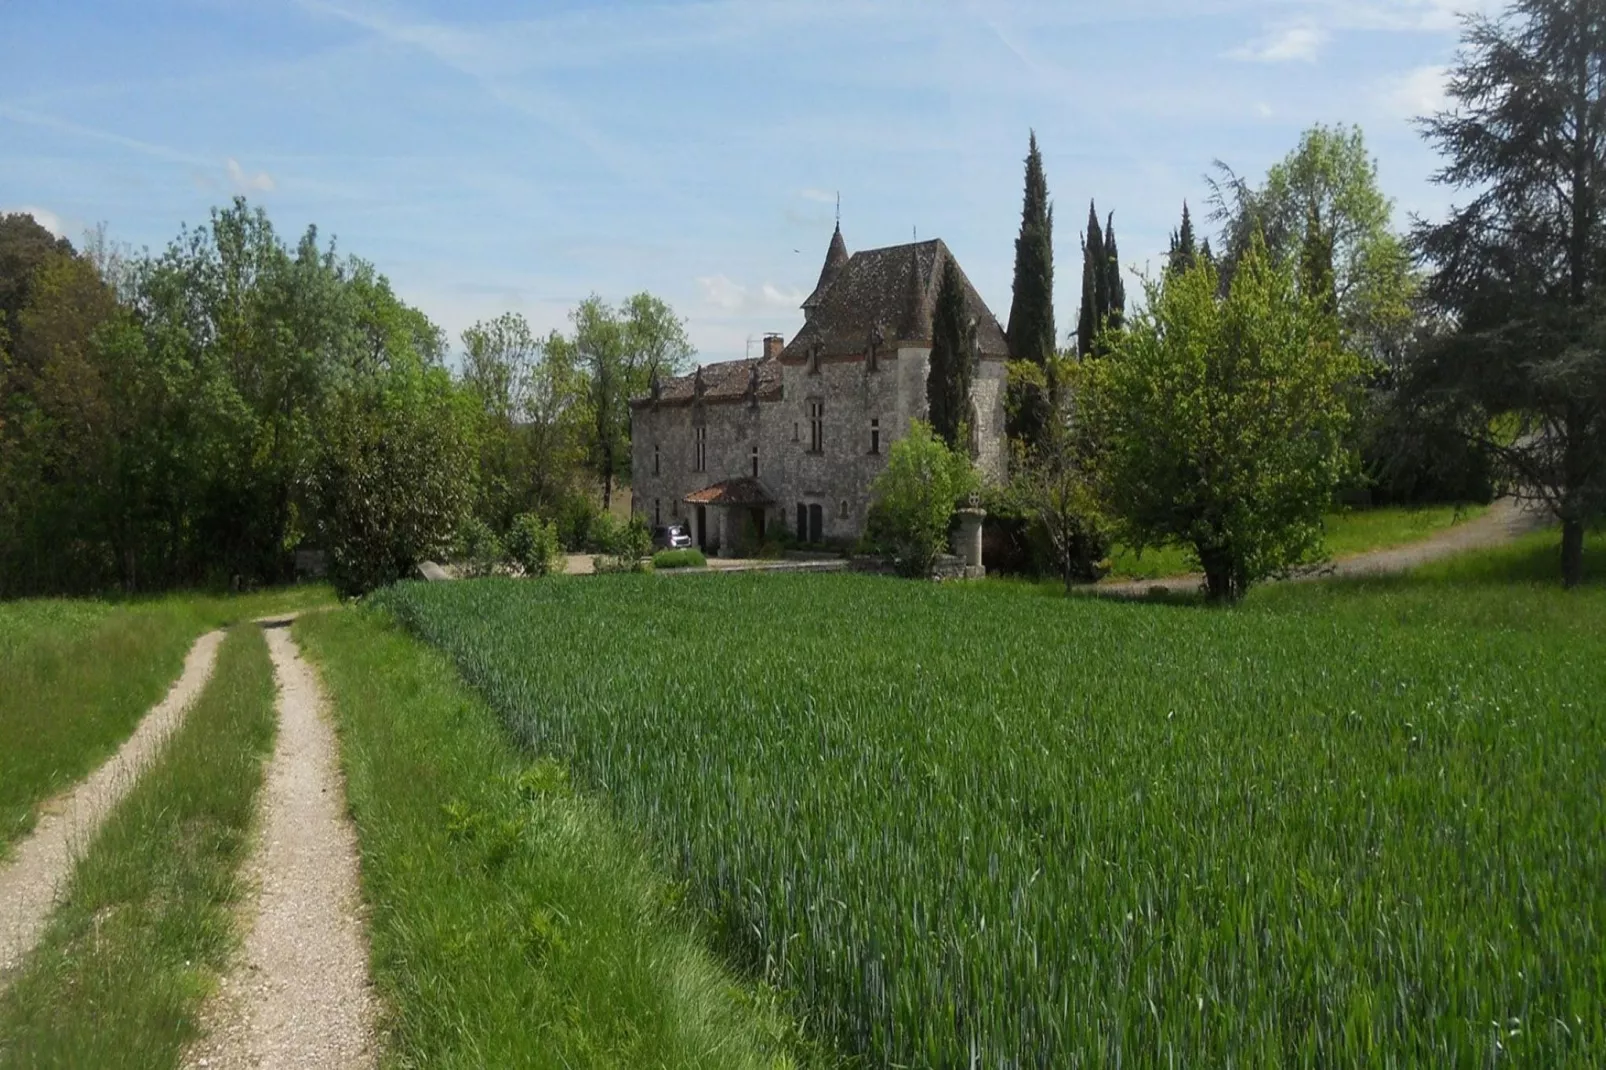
(1572, 553)
(607, 487)
(1218, 572)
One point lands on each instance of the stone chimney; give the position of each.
(773, 344)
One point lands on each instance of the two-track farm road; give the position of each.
(36, 874)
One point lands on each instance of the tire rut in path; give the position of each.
(299, 994)
(37, 873)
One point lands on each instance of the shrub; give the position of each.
(602, 534)
(690, 557)
(915, 497)
(627, 548)
(533, 544)
(478, 551)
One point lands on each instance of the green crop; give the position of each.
(971, 826)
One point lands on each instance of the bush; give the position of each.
(915, 497)
(603, 533)
(533, 544)
(627, 548)
(689, 557)
(478, 551)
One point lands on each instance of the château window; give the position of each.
(842, 510)
(657, 511)
(794, 431)
(755, 462)
(875, 436)
(816, 427)
(655, 466)
(814, 359)
(701, 458)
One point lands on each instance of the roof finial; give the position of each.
(838, 209)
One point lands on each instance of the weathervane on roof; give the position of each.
(838, 209)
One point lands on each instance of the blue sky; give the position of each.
(493, 156)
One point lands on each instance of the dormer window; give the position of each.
(872, 359)
(814, 358)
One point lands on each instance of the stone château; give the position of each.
(792, 439)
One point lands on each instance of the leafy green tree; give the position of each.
(618, 351)
(1321, 209)
(393, 476)
(1519, 268)
(914, 497)
(1053, 484)
(952, 361)
(1114, 311)
(1222, 422)
(24, 247)
(499, 359)
(1031, 311)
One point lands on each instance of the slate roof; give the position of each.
(742, 491)
(726, 381)
(835, 256)
(894, 290)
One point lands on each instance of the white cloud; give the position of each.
(261, 182)
(1263, 109)
(730, 296)
(1415, 93)
(1295, 43)
(43, 216)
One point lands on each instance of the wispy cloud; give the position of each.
(1292, 44)
(43, 216)
(730, 296)
(819, 196)
(1416, 93)
(261, 182)
(63, 126)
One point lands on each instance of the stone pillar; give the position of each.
(967, 536)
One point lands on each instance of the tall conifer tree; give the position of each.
(1184, 246)
(1094, 283)
(1031, 312)
(949, 372)
(1114, 288)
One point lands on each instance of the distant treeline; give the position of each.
(195, 417)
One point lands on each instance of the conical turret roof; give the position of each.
(835, 257)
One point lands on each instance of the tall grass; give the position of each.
(963, 827)
(120, 975)
(513, 923)
(78, 675)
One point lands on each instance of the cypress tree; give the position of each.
(949, 372)
(1031, 311)
(1184, 250)
(1094, 281)
(1205, 255)
(1114, 288)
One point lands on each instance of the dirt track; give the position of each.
(1504, 521)
(300, 996)
(37, 872)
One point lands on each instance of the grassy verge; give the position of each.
(120, 975)
(1353, 531)
(513, 923)
(688, 558)
(78, 676)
